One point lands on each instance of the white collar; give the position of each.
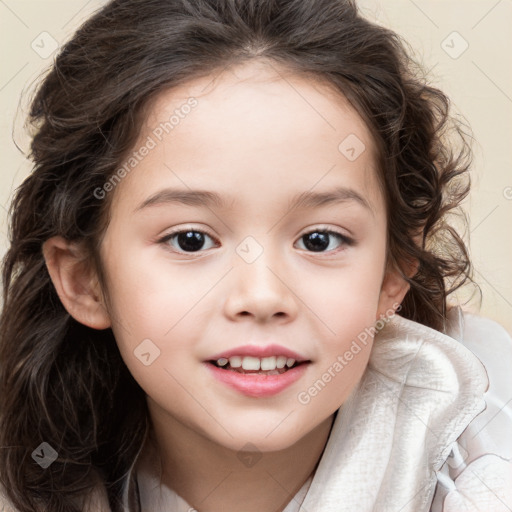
(419, 392)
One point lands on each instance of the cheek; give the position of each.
(347, 295)
(149, 295)
(345, 302)
(156, 310)
(343, 361)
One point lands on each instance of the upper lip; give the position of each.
(259, 351)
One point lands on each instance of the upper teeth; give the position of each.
(256, 363)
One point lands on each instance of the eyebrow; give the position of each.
(209, 199)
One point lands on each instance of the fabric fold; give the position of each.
(419, 392)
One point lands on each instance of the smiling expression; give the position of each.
(248, 231)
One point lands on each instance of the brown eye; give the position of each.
(187, 240)
(322, 241)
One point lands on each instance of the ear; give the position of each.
(393, 290)
(76, 284)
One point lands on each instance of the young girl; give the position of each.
(227, 282)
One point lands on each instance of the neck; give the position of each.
(214, 478)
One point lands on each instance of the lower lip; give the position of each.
(255, 385)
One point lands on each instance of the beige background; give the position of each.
(466, 44)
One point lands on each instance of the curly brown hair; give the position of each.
(67, 384)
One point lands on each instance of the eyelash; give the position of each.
(345, 240)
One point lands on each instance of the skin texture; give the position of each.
(257, 137)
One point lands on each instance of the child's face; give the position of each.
(247, 275)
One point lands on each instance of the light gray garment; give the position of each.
(397, 434)
(412, 437)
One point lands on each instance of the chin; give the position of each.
(262, 441)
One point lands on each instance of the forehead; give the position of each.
(265, 94)
(255, 121)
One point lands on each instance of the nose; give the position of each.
(260, 290)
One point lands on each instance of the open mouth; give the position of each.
(257, 377)
(276, 365)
